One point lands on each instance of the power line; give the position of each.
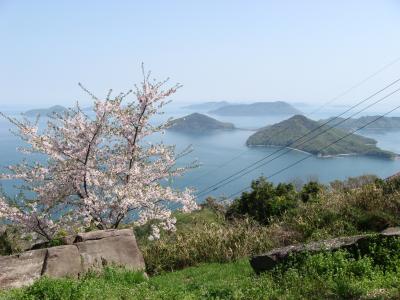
(213, 187)
(393, 62)
(321, 149)
(345, 92)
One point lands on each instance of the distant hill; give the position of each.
(206, 106)
(383, 124)
(285, 132)
(45, 111)
(256, 109)
(199, 123)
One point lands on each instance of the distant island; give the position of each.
(381, 125)
(286, 132)
(256, 109)
(206, 106)
(199, 123)
(45, 111)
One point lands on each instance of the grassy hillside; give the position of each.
(288, 131)
(339, 275)
(207, 257)
(199, 123)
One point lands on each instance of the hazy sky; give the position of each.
(298, 51)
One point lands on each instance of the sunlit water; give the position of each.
(214, 150)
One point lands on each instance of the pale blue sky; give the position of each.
(298, 51)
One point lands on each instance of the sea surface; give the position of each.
(223, 153)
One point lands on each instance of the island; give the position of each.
(207, 105)
(198, 123)
(257, 109)
(286, 133)
(383, 124)
(45, 111)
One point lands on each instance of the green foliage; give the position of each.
(264, 201)
(311, 191)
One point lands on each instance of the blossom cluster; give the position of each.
(98, 169)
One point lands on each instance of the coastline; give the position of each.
(319, 155)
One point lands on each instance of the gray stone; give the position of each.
(114, 250)
(21, 269)
(97, 249)
(269, 260)
(101, 234)
(68, 240)
(62, 261)
(391, 231)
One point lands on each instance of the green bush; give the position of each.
(264, 201)
(311, 191)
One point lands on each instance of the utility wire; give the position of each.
(289, 150)
(213, 187)
(340, 95)
(393, 62)
(321, 149)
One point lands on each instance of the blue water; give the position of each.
(214, 150)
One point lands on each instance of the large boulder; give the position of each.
(269, 260)
(21, 269)
(62, 261)
(114, 250)
(83, 252)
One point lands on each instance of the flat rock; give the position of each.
(269, 260)
(62, 261)
(114, 250)
(21, 269)
(391, 231)
(101, 234)
(94, 251)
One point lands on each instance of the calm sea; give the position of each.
(214, 150)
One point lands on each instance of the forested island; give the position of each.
(257, 109)
(286, 134)
(382, 124)
(199, 123)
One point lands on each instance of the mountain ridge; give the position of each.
(198, 123)
(257, 109)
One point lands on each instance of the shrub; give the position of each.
(264, 201)
(311, 191)
(205, 242)
(368, 208)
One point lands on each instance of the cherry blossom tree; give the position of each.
(99, 169)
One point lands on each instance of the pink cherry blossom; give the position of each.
(98, 169)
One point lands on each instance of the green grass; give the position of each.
(338, 275)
